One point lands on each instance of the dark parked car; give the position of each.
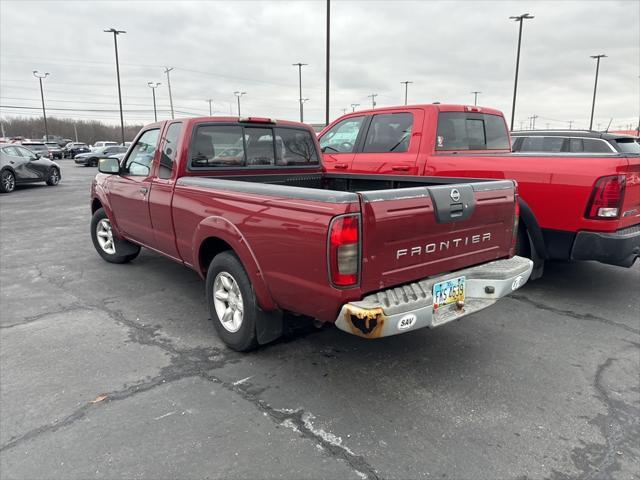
(37, 147)
(91, 159)
(20, 165)
(75, 148)
(573, 141)
(54, 150)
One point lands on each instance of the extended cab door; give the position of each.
(391, 144)
(161, 194)
(339, 143)
(129, 191)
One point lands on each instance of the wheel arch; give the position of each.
(215, 235)
(528, 219)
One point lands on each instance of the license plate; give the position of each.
(448, 292)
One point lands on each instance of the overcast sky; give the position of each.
(446, 48)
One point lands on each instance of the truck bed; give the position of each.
(409, 229)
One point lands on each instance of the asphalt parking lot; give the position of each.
(113, 371)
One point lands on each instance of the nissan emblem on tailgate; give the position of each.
(455, 194)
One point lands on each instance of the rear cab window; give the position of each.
(471, 131)
(389, 133)
(251, 146)
(627, 145)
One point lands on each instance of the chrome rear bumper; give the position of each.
(410, 306)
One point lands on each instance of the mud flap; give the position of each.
(125, 247)
(269, 326)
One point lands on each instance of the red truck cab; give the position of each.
(573, 206)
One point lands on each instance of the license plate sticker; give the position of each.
(448, 292)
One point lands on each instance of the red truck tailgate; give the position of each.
(434, 229)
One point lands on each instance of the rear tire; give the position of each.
(232, 302)
(106, 243)
(54, 177)
(7, 181)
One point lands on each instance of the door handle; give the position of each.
(144, 190)
(400, 168)
(341, 165)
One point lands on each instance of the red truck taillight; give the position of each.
(606, 199)
(344, 250)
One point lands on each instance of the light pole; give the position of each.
(353, 106)
(239, 94)
(406, 90)
(166, 71)
(40, 76)
(327, 63)
(595, 86)
(302, 102)
(300, 65)
(153, 87)
(475, 97)
(210, 100)
(373, 99)
(520, 19)
(115, 43)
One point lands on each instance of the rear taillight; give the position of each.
(344, 250)
(606, 198)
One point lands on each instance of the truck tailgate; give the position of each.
(413, 233)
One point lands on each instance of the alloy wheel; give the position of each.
(105, 236)
(227, 301)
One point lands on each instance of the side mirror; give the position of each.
(109, 165)
(36, 156)
(322, 149)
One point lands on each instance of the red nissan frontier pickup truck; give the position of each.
(572, 206)
(247, 205)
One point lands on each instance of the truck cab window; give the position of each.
(341, 138)
(295, 147)
(260, 149)
(169, 150)
(471, 131)
(217, 146)
(389, 133)
(139, 161)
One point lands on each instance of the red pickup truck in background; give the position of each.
(247, 205)
(572, 206)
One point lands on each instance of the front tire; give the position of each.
(106, 243)
(232, 302)
(54, 177)
(7, 181)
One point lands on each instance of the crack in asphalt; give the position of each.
(199, 362)
(569, 313)
(620, 427)
(34, 318)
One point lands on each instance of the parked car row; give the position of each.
(91, 159)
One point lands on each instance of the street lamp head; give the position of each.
(154, 84)
(602, 55)
(114, 31)
(239, 94)
(40, 75)
(299, 64)
(519, 18)
(304, 100)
